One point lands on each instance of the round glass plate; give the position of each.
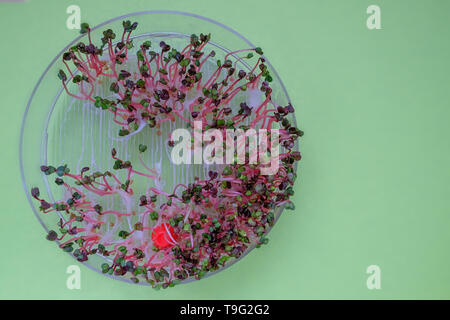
(57, 129)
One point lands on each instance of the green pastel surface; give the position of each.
(374, 178)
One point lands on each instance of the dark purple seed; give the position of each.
(164, 95)
(212, 174)
(281, 110)
(45, 205)
(52, 235)
(35, 192)
(90, 49)
(296, 155)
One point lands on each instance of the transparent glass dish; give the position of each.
(56, 130)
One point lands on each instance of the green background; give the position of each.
(374, 180)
